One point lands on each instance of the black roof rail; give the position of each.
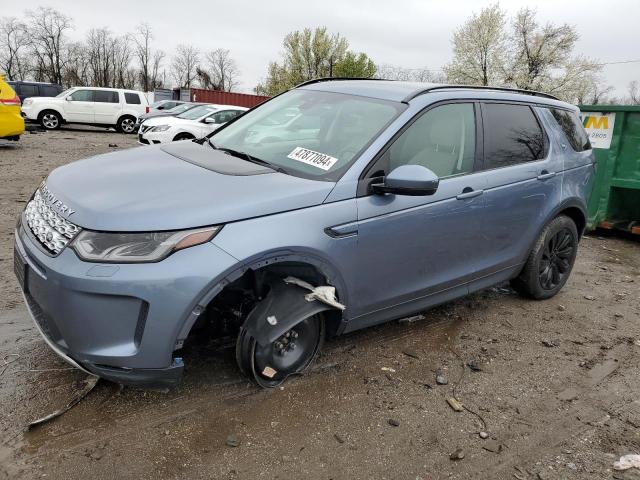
(479, 87)
(330, 79)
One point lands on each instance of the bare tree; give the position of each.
(634, 92)
(109, 59)
(222, 70)
(13, 48)
(99, 45)
(479, 49)
(47, 29)
(149, 61)
(124, 76)
(157, 80)
(184, 65)
(76, 72)
(592, 90)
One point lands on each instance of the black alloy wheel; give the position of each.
(557, 255)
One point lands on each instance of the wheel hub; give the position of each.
(286, 343)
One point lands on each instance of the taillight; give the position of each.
(11, 101)
(146, 109)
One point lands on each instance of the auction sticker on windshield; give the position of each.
(317, 159)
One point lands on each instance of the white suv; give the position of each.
(114, 107)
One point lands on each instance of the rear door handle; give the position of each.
(544, 175)
(466, 194)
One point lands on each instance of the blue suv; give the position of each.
(335, 206)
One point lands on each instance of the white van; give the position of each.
(114, 107)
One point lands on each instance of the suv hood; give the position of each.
(46, 100)
(177, 186)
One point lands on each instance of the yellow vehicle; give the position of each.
(11, 122)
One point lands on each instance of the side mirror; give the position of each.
(414, 180)
(210, 120)
(69, 98)
(160, 107)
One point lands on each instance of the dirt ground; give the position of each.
(557, 391)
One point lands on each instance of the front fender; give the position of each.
(331, 273)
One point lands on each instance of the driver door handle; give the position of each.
(469, 193)
(544, 175)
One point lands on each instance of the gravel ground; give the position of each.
(556, 391)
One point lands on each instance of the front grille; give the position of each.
(53, 231)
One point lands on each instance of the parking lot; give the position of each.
(554, 384)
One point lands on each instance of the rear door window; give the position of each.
(106, 96)
(512, 135)
(224, 116)
(572, 128)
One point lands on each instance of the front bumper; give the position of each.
(154, 138)
(29, 113)
(120, 322)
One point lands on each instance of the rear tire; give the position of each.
(270, 365)
(126, 124)
(50, 120)
(549, 264)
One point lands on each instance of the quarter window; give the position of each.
(512, 135)
(82, 96)
(29, 90)
(443, 140)
(49, 91)
(132, 98)
(572, 128)
(106, 96)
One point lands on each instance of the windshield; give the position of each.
(158, 103)
(65, 93)
(310, 134)
(183, 107)
(197, 112)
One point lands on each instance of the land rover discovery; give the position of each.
(393, 198)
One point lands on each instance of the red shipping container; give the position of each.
(226, 98)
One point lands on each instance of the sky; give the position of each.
(411, 33)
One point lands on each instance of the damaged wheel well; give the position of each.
(227, 311)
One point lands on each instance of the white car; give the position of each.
(113, 107)
(194, 123)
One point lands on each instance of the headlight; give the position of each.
(27, 101)
(161, 128)
(137, 247)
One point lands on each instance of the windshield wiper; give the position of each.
(249, 158)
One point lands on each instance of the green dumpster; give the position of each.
(614, 131)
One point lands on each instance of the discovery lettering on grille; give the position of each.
(52, 200)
